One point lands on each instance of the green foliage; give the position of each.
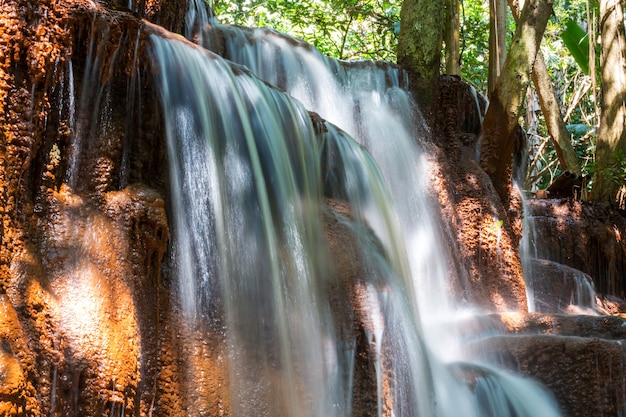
(475, 42)
(345, 29)
(576, 40)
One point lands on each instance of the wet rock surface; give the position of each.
(557, 288)
(482, 234)
(588, 237)
(584, 374)
(579, 359)
(16, 364)
(589, 326)
(349, 276)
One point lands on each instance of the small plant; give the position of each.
(616, 172)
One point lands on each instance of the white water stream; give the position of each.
(247, 183)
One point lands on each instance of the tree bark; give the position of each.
(497, 41)
(501, 119)
(555, 124)
(548, 102)
(419, 45)
(611, 142)
(453, 50)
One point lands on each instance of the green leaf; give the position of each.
(578, 129)
(577, 42)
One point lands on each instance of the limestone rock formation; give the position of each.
(84, 229)
(557, 288)
(580, 359)
(584, 236)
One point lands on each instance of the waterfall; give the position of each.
(573, 293)
(528, 251)
(244, 182)
(249, 172)
(370, 102)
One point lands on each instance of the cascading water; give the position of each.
(247, 190)
(574, 292)
(246, 228)
(371, 104)
(91, 114)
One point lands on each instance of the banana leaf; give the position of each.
(576, 40)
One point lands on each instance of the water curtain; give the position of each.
(249, 172)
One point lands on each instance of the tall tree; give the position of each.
(497, 41)
(550, 109)
(452, 38)
(501, 119)
(419, 44)
(611, 142)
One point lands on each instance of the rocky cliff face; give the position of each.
(83, 235)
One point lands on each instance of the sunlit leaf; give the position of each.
(577, 42)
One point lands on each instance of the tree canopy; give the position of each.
(345, 29)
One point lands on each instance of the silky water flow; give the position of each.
(249, 173)
(577, 294)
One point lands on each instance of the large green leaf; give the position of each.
(578, 129)
(577, 42)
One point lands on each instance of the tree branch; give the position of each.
(501, 119)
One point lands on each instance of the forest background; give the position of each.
(476, 36)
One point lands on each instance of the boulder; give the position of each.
(580, 359)
(585, 374)
(557, 288)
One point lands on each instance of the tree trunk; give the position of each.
(557, 130)
(453, 50)
(611, 142)
(501, 119)
(419, 45)
(549, 104)
(497, 41)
